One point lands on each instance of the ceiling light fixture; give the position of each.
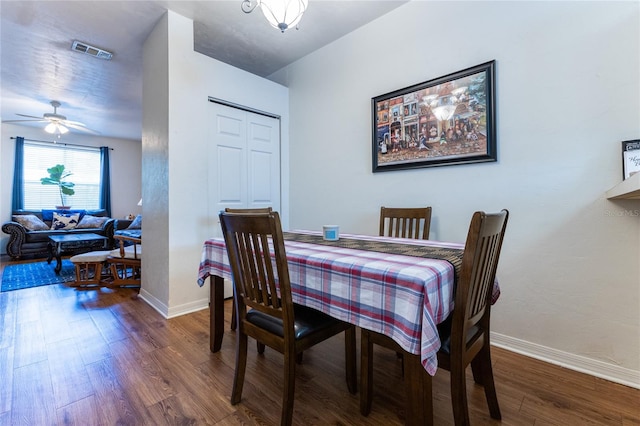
(281, 14)
(56, 129)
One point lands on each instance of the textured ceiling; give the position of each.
(38, 65)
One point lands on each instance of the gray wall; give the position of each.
(567, 95)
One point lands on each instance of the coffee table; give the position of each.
(74, 244)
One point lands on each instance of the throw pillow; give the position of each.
(30, 221)
(65, 221)
(89, 221)
(47, 215)
(137, 223)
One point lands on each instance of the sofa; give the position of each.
(128, 227)
(29, 230)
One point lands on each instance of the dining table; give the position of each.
(398, 287)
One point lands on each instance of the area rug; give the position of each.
(26, 275)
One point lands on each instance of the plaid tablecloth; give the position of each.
(403, 297)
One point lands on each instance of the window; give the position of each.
(83, 163)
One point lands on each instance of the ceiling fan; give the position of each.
(57, 124)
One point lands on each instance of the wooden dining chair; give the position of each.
(464, 335)
(233, 307)
(262, 284)
(405, 222)
(125, 262)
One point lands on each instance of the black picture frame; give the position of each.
(630, 158)
(445, 121)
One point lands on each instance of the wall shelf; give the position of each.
(628, 189)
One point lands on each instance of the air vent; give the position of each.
(81, 47)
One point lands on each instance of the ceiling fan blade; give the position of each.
(22, 121)
(73, 125)
(55, 118)
(71, 122)
(30, 116)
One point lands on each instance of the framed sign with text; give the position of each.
(630, 158)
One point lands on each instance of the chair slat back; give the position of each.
(478, 273)
(405, 222)
(258, 263)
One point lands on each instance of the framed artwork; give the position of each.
(630, 158)
(445, 121)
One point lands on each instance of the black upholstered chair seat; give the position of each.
(444, 331)
(307, 321)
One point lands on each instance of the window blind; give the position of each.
(82, 162)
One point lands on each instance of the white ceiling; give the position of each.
(38, 65)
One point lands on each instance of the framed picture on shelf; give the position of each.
(630, 158)
(445, 121)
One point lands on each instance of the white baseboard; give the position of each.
(187, 308)
(174, 311)
(603, 370)
(153, 302)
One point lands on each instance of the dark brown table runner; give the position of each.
(451, 255)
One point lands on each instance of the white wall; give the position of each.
(124, 159)
(567, 95)
(176, 112)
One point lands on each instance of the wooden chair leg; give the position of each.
(241, 365)
(459, 396)
(366, 373)
(78, 280)
(350, 357)
(233, 314)
(483, 360)
(289, 389)
(476, 368)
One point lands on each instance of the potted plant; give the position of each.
(57, 174)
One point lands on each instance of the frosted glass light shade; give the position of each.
(56, 128)
(283, 14)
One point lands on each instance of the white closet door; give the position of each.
(263, 161)
(244, 160)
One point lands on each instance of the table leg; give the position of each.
(58, 258)
(216, 312)
(418, 391)
(50, 250)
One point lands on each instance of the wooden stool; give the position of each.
(89, 268)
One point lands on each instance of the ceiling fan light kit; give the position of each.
(55, 128)
(281, 14)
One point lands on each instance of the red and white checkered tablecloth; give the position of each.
(403, 297)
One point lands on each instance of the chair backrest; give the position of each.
(477, 276)
(258, 210)
(258, 264)
(405, 222)
(128, 247)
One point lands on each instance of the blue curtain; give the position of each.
(17, 201)
(105, 180)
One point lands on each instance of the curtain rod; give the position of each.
(60, 143)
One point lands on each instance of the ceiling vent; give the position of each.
(81, 47)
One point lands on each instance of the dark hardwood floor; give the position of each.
(105, 357)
